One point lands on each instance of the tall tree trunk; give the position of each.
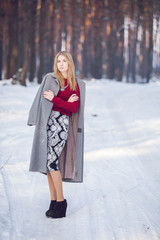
(131, 37)
(135, 34)
(13, 29)
(27, 39)
(156, 37)
(104, 38)
(7, 37)
(87, 38)
(150, 41)
(2, 24)
(97, 38)
(41, 41)
(67, 8)
(59, 26)
(11, 37)
(21, 33)
(25, 64)
(47, 35)
(111, 41)
(76, 38)
(32, 63)
(51, 36)
(119, 64)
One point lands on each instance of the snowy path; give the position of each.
(120, 197)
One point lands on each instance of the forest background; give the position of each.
(114, 39)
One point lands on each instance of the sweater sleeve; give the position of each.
(71, 106)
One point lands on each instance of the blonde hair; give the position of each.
(70, 73)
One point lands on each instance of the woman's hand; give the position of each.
(73, 98)
(48, 95)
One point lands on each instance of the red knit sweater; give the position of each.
(61, 103)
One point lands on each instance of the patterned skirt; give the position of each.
(57, 133)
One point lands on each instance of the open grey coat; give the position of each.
(71, 159)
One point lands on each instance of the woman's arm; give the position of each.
(72, 104)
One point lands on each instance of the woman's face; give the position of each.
(62, 64)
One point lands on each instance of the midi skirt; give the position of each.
(57, 133)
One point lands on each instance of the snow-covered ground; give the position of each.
(120, 196)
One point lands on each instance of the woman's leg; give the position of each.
(51, 187)
(60, 205)
(52, 193)
(57, 180)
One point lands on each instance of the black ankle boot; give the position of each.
(59, 210)
(51, 208)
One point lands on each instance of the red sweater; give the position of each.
(61, 103)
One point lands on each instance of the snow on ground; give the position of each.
(119, 198)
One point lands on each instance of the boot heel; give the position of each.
(64, 211)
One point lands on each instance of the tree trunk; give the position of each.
(119, 65)
(59, 27)
(97, 38)
(111, 40)
(25, 65)
(21, 34)
(13, 28)
(87, 39)
(76, 38)
(51, 36)
(41, 41)
(7, 41)
(32, 63)
(2, 24)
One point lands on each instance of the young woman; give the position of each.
(58, 113)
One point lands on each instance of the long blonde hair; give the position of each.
(70, 73)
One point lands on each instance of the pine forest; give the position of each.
(114, 39)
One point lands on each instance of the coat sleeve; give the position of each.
(49, 82)
(34, 110)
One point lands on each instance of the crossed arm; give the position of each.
(49, 96)
(71, 105)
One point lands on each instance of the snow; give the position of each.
(119, 198)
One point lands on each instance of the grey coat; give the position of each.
(71, 159)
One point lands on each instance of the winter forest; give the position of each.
(118, 39)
